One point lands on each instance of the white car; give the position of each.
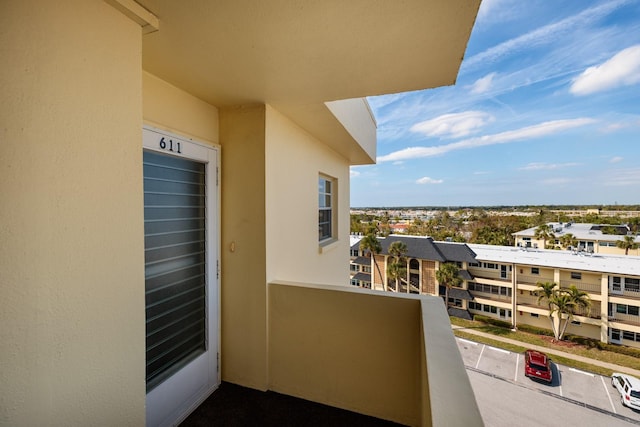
(629, 389)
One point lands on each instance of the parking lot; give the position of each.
(570, 386)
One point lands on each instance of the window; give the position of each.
(628, 335)
(632, 284)
(326, 208)
(535, 270)
(628, 309)
(455, 302)
(534, 315)
(576, 276)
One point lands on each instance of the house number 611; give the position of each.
(170, 145)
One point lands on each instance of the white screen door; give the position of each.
(181, 212)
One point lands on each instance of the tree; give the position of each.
(567, 240)
(544, 232)
(628, 242)
(546, 292)
(371, 246)
(448, 275)
(564, 303)
(397, 268)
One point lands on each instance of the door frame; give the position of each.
(162, 408)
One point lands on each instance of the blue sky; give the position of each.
(545, 110)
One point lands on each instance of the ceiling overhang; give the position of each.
(297, 55)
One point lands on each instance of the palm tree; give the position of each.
(547, 292)
(628, 242)
(567, 240)
(397, 269)
(371, 246)
(544, 232)
(448, 276)
(563, 305)
(563, 302)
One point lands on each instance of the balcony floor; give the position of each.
(236, 406)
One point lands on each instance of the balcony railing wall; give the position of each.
(391, 356)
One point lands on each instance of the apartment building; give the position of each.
(175, 186)
(424, 257)
(594, 238)
(502, 282)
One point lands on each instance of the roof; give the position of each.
(537, 357)
(422, 247)
(364, 277)
(567, 260)
(459, 252)
(464, 274)
(362, 260)
(458, 312)
(460, 294)
(581, 231)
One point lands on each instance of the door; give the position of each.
(181, 275)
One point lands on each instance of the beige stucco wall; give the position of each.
(294, 161)
(172, 109)
(71, 258)
(320, 349)
(243, 272)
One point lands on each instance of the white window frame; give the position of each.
(333, 200)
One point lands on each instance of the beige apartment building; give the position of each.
(502, 282)
(175, 186)
(590, 238)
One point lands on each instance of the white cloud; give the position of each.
(557, 181)
(623, 69)
(454, 125)
(616, 159)
(482, 85)
(544, 35)
(535, 131)
(353, 173)
(547, 166)
(624, 177)
(427, 180)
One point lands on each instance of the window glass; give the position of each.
(632, 309)
(576, 275)
(621, 308)
(535, 270)
(326, 208)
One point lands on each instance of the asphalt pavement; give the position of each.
(615, 368)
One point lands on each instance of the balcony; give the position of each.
(589, 287)
(337, 346)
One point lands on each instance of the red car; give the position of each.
(537, 365)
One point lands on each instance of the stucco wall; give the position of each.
(71, 258)
(319, 349)
(294, 161)
(243, 276)
(170, 108)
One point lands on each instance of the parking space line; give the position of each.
(608, 395)
(480, 356)
(560, 388)
(515, 377)
(582, 372)
(500, 350)
(467, 341)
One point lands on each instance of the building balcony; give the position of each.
(589, 287)
(332, 345)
